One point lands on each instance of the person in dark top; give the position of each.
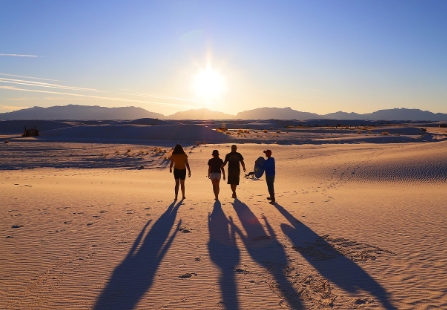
(215, 167)
(234, 160)
(269, 167)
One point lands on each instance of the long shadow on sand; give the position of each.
(224, 253)
(267, 251)
(341, 270)
(134, 276)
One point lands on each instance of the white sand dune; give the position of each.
(356, 226)
(191, 133)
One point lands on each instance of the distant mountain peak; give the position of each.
(82, 112)
(79, 112)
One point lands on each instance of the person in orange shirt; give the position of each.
(179, 160)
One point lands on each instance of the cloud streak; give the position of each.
(45, 85)
(25, 84)
(27, 77)
(14, 88)
(19, 55)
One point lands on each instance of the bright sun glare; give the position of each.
(209, 84)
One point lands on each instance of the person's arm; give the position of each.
(209, 171)
(225, 162)
(170, 165)
(187, 166)
(223, 171)
(242, 162)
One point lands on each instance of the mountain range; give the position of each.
(80, 112)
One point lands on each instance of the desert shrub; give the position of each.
(6, 141)
(385, 133)
(228, 133)
(278, 131)
(266, 131)
(359, 132)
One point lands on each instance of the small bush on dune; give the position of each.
(385, 133)
(266, 131)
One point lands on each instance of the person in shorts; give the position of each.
(179, 160)
(234, 160)
(215, 169)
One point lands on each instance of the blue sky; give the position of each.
(314, 56)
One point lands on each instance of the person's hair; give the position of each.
(178, 149)
(234, 147)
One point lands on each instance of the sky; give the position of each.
(318, 56)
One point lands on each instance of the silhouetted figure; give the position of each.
(224, 253)
(134, 276)
(215, 170)
(179, 160)
(269, 168)
(234, 160)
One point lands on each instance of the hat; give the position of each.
(215, 152)
(268, 152)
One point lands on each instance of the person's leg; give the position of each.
(216, 188)
(233, 188)
(177, 181)
(182, 185)
(270, 181)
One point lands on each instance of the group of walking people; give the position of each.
(216, 172)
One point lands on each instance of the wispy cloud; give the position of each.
(19, 55)
(14, 88)
(45, 85)
(27, 77)
(29, 84)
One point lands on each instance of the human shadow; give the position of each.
(341, 270)
(267, 251)
(224, 253)
(134, 276)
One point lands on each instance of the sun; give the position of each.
(209, 84)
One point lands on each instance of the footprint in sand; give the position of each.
(187, 275)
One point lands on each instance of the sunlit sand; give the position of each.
(88, 220)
